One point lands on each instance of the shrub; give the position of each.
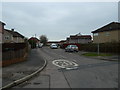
(113, 47)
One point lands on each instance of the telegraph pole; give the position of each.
(98, 46)
(98, 49)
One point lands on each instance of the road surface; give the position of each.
(90, 73)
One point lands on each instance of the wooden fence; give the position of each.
(14, 53)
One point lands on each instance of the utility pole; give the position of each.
(98, 49)
(35, 42)
(98, 46)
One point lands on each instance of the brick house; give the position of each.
(107, 33)
(34, 42)
(78, 38)
(1, 30)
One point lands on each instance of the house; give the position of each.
(34, 39)
(50, 42)
(34, 42)
(1, 30)
(78, 38)
(7, 37)
(2, 26)
(107, 33)
(62, 41)
(11, 36)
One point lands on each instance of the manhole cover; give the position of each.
(65, 64)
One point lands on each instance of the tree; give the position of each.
(32, 41)
(43, 39)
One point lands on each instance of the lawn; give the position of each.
(96, 54)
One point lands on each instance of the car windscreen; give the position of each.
(54, 45)
(73, 46)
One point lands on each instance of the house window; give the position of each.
(95, 34)
(6, 37)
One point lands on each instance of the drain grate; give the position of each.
(36, 83)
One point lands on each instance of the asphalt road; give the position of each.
(91, 73)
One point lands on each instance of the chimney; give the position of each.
(12, 30)
(79, 34)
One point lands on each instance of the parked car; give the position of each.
(39, 45)
(54, 46)
(71, 48)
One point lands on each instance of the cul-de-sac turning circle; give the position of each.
(65, 64)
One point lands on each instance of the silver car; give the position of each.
(53, 46)
(71, 48)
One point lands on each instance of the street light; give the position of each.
(98, 45)
(98, 48)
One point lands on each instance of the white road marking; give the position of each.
(65, 64)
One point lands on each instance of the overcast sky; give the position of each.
(58, 20)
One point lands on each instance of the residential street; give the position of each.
(59, 44)
(91, 73)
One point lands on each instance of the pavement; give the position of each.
(114, 57)
(109, 58)
(21, 71)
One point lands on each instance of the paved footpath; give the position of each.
(20, 70)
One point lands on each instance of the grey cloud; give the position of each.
(58, 20)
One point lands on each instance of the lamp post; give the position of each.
(98, 45)
(98, 48)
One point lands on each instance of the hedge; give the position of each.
(103, 47)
